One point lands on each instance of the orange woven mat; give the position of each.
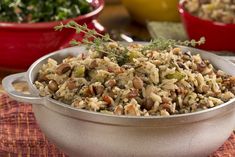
(20, 135)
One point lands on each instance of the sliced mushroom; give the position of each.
(63, 68)
(43, 78)
(53, 86)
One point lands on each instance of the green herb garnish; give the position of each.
(98, 43)
(41, 10)
(166, 44)
(89, 34)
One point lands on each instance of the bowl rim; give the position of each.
(99, 5)
(183, 11)
(96, 117)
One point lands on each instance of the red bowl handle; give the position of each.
(94, 24)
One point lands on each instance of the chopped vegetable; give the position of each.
(80, 71)
(176, 75)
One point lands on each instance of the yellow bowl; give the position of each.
(153, 10)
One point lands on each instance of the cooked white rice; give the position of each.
(150, 84)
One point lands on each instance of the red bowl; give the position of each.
(22, 44)
(219, 36)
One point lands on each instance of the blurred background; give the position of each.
(134, 18)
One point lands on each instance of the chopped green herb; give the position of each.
(41, 10)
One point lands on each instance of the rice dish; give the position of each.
(146, 83)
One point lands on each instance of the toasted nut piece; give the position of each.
(115, 70)
(71, 84)
(88, 92)
(110, 83)
(99, 89)
(228, 81)
(165, 100)
(148, 104)
(205, 88)
(53, 86)
(107, 99)
(63, 68)
(119, 110)
(167, 107)
(232, 80)
(91, 89)
(131, 110)
(132, 94)
(93, 64)
(111, 93)
(85, 91)
(157, 62)
(137, 83)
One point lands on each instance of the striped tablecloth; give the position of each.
(20, 135)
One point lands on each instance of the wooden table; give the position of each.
(116, 20)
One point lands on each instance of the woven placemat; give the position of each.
(20, 135)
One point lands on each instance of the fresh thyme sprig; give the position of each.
(98, 43)
(95, 41)
(89, 34)
(166, 44)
